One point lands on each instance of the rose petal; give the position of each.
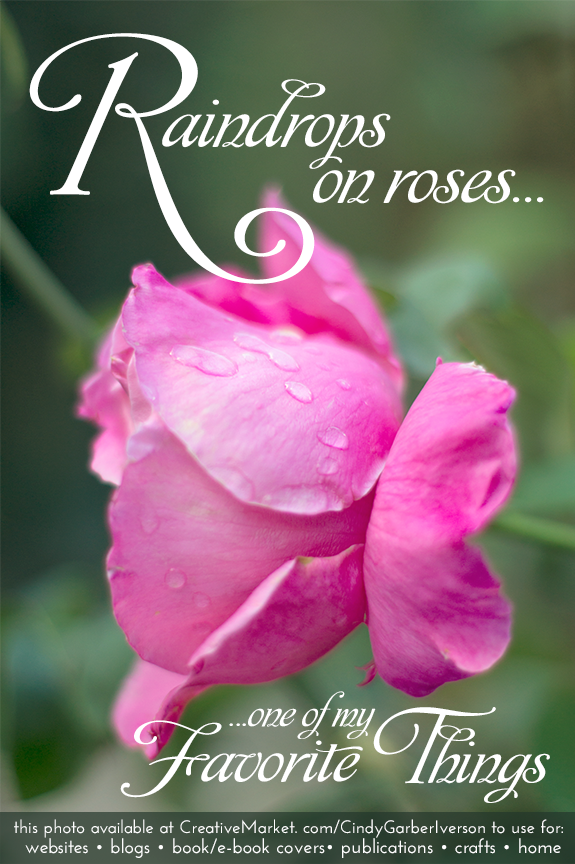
(151, 693)
(435, 615)
(187, 553)
(292, 618)
(262, 307)
(453, 462)
(434, 610)
(104, 401)
(296, 615)
(328, 294)
(299, 424)
(140, 697)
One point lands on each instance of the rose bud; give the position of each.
(269, 497)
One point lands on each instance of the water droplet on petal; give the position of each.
(148, 392)
(204, 360)
(343, 383)
(299, 391)
(251, 343)
(334, 437)
(149, 523)
(286, 335)
(175, 578)
(327, 465)
(279, 358)
(337, 292)
(377, 337)
(283, 360)
(201, 600)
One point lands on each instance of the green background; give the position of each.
(468, 85)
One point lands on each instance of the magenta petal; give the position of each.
(301, 424)
(292, 618)
(105, 403)
(187, 553)
(370, 673)
(140, 697)
(435, 615)
(151, 693)
(250, 302)
(453, 462)
(103, 400)
(328, 294)
(434, 611)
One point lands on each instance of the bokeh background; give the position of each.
(468, 85)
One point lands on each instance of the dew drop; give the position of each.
(175, 578)
(299, 391)
(377, 337)
(202, 601)
(343, 383)
(286, 335)
(327, 465)
(149, 523)
(251, 343)
(279, 358)
(283, 360)
(149, 392)
(337, 292)
(334, 437)
(204, 360)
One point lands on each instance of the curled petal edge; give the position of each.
(295, 616)
(434, 609)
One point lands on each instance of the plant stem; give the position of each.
(541, 530)
(41, 284)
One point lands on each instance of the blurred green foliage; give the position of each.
(470, 85)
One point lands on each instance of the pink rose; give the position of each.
(269, 498)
